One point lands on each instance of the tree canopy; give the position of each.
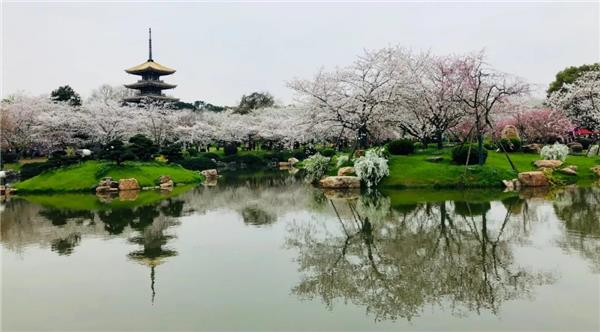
(569, 75)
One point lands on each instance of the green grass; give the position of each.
(83, 177)
(415, 171)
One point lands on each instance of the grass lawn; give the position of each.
(83, 177)
(415, 171)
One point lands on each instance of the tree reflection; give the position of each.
(579, 208)
(395, 263)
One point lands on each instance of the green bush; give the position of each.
(172, 151)
(142, 147)
(459, 155)
(278, 156)
(197, 163)
(401, 147)
(8, 157)
(32, 169)
(512, 144)
(210, 155)
(299, 154)
(327, 152)
(251, 160)
(230, 149)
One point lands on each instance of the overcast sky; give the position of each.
(221, 51)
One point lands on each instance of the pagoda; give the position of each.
(150, 86)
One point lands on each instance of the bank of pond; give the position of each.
(429, 168)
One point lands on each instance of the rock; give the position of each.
(103, 189)
(359, 153)
(210, 173)
(129, 184)
(512, 185)
(283, 164)
(340, 182)
(128, 195)
(594, 150)
(108, 182)
(345, 171)
(533, 179)
(575, 147)
(568, 171)
(293, 161)
(434, 159)
(531, 148)
(167, 185)
(510, 132)
(342, 194)
(165, 179)
(596, 170)
(548, 163)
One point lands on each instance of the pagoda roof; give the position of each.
(150, 66)
(139, 97)
(148, 83)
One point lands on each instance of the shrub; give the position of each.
(555, 151)
(142, 147)
(197, 163)
(327, 152)
(116, 151)
(172, 151)
(8, 157)
(401, 147)
(342, 161)
(511, 144)
(299, 154)
(32, 169)
(230, 149)
(459, 155)
(210, 155)
(586, 142)
(251, 160)
(371, 168)
(316, 166)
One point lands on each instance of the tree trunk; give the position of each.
(439, 139)
(480, 148)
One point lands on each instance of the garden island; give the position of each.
(401, 189)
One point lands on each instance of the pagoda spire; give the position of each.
(150, 44)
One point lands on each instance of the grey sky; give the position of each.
(222, 51)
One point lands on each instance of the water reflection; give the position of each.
(392, 254)
(396, 262)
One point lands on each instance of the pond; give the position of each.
(274, 253)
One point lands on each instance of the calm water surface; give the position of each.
(277, 254)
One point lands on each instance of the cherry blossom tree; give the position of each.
(432, 105)
(359, 98)
(541, 125)
(482, 91)
(580, 100)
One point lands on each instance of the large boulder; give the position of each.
(575, 147)
(340, 182)
(293, 161)
(165, 182)
(129, 184)
(548, 163)
(532, 148)
(210, 173)
(343, 171)
(533, 179)
(510, 132)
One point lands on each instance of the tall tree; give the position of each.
(580, 100)
(482, 91)
(66, 94)
(569, 75)
(255, 100)
(359, 98)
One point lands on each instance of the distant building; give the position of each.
(150, 86)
